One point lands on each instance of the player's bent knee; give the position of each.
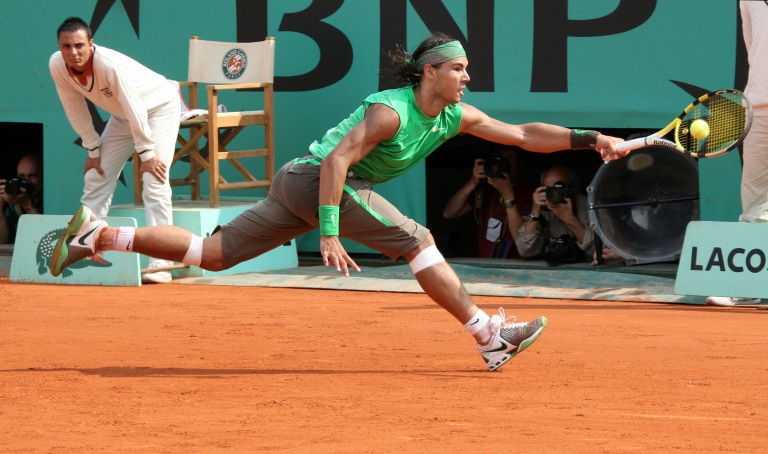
(429, 256)
(212, 265)
(210, 252)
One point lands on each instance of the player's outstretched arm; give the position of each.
(536, 137)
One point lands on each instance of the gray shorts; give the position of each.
(291, 210)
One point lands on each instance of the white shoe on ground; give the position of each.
(730, 301)
(157, 277)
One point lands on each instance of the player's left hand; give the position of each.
(334, 254)
(154, 166)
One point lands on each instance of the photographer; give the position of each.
(498, 201)
(20, 195)
(558, 227)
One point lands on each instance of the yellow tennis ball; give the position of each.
(699, 129)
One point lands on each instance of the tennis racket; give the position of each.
(727, 113)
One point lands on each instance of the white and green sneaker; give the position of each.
(78, 240)
(509, 339)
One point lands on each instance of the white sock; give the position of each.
(478, 326)
(124, 240)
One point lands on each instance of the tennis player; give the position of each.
(331, 188)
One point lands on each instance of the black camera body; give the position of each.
(558, 193)
(563, 250)
(14, 186)
(496, 166)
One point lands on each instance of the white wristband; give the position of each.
(146, 155)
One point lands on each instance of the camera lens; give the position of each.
(558, 193)
(495, 167)
(555, 195)
(14, 185)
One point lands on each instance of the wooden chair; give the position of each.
(220, 67)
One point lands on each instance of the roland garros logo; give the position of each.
(234, 63)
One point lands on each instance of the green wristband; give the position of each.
(329, 220)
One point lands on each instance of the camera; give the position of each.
(558, 193)
(563, 250)
(14, 185)
(495, 167)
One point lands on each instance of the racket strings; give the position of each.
(725, 114)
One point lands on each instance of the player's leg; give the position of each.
(265, 226)
(371, 220)
(497, 339)
(87, 235)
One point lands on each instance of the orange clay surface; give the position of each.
(196, 368)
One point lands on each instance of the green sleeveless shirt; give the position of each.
(417, 136)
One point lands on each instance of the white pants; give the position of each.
(116, 146)
(754, 176)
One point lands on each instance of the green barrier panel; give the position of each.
(37, 235)
(724, 259)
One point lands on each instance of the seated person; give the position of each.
(558, 227)
(498, 200)
(24, 195)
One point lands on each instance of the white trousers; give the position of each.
(116, 146)
(754, 176)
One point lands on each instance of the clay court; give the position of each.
(208, 368)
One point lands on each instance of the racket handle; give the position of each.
(646, 142)
(632, 144)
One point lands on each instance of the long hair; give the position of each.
(73, 24)
(404, 71)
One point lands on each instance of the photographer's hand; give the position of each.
(609, 257)
(511, 208)
(564, 212)
(3, 196)
(504, 186)
(539, 200)
(5, 230)
(24, 200)
(478, 171)
(459, 203)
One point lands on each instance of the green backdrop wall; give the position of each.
(600, 64)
